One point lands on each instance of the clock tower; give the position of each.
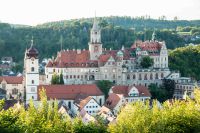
(31, 71)
(95, 45)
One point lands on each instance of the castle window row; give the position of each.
(144, 76)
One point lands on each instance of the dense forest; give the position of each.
(116, 31)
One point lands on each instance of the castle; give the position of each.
(121, 67)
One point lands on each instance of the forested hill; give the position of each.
(116, 31)
(138, 23)
(186, 60)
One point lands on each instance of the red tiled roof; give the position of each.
(12, 79)
(121, 89)
(151, 46)
(143, 91)
(72, 58)
(113, 100)
(104, 110)
(81, 103)
(104, 58)
(70, 91)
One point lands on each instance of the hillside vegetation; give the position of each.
(186, 60)
(116, 31)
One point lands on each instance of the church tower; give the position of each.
(95, 45)
(31, 71)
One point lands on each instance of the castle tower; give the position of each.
(31, 72)
(95, 45)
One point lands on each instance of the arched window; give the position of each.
(156, 75)
(128, 77)
(145, 77)
(140, 76)
(133, 76)
(32, 69)
(91, 77)
(162, 75)
(32, 81)
(151, 76)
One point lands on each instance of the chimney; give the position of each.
(78, 51)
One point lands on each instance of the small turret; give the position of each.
(153, 36)
(32, 52)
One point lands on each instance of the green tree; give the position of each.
(158, 92)
(55, 79)
(105, 86)
(61, 79)
(146, 62)
(179, 116)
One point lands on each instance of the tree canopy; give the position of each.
(186, 60)
(146, 62)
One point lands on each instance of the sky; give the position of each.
(33, 12)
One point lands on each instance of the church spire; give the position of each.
(153, 36)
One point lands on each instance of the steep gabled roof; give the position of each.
(82, 102)
(113, 100)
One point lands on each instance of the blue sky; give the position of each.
(33, 12)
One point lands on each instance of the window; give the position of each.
(113, 76)
(128, 77)
(100, 101)
(162, 75)
(69, 104)
(145, 77)
(105, 76)
(14, 91)
(133, 76)
(151, 76)
(32, 89)
(32, 81)
(32, 69)
(156, 75)
(32, 97)
(140, 77)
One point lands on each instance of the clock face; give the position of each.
(32, 59)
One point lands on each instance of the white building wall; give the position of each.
(92, 107)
